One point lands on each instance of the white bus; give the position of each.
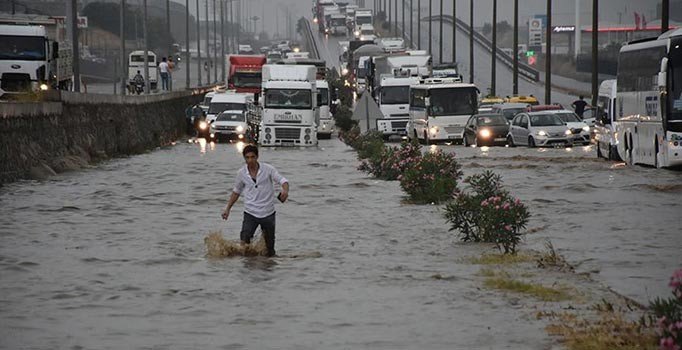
(648, 124)
(439, 111)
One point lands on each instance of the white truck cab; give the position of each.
(393, 97)
(440, 109)
(325, 123)
(289, 105)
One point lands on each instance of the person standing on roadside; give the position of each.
(579, 106)
(255, 180)
(164, 69)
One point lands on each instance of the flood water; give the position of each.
(113, 256)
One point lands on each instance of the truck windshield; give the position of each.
(217, 107)
(324, 96)
(247, 79)
(395, 95)
(31, 48)
(453, 101)
(338, 22)
(288, 98)
(363, 20)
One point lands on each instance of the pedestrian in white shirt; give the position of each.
(255, 181)
(164, 72)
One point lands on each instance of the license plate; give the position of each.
(500, 139)
(452, 137)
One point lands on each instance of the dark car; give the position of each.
(486, 130)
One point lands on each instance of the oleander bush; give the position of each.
(669, 315)
(391, 162)
(431, 178)
(368, 145)
(487, 213)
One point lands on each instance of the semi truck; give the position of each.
(393, 97)
(289, 106)
(32, 61)
(244, 72)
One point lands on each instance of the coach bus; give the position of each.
(648, 123)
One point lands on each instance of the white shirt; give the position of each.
(163, 67)
(259, 196)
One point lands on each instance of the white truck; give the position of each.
(393, 97)
(327, 13)
(30, 61)
(337, 24)
(324, 120)
(362, 16)
(136, 64)
(289, 103)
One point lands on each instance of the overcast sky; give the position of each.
(611, 11)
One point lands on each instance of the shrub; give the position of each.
(431, 178)
(488, 213)
(392, 161)
(343, 119)
(669, 314)
(369, 144)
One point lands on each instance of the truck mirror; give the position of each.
(661, 80)
(55, 49)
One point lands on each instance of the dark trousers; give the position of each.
(267, 225)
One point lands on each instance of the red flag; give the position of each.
(637, 21)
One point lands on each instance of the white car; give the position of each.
(538, 129)
(579, 129)
(230, 125)
(392, 44)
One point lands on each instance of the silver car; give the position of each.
(538, 129)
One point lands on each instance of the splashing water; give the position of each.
(219, 247)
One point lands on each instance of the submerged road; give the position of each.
(115, 253)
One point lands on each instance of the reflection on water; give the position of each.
(119, 251)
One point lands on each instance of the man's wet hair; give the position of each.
(250, 149)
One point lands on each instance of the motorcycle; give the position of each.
(139, 88)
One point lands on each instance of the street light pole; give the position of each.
(548, 55)
(665, 15)
(146, 49)
(74, 42)
(168, 43)
(471, 42)
(395, 22)
(222, 40)
(454, 32)
(215, 46)
(187, 76)
(208, 52)
(515, 84)
(419, 24)
(402, 30)
(430, 26)
(440, 42)
(122, 23)
(198, 44)
(493, 71)
(411, 24)
(595, 51)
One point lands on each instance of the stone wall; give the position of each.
(41, 139)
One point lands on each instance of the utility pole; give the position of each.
(595, 51)
(430, 26)
(124, 69)
(411, 24)
(73, 13)
(169, 43)
(515, 84)
(493, 71)
(665, 15)
(403, 29)
(198, 44)
(548, 55)
(578, 32)
(454, 32)
(231, 35)
(440, 42)
(239, 24)
(215, 46)
(146, 49)
(395, 4)
(208, 51)
(187, 44)
(222, 40)
(471, 41)
(390, 13)
(419, 24)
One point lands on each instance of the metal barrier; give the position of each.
(310, 38)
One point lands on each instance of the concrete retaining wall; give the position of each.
(40, 139)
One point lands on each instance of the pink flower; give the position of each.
(517, 201)
(484, 203)
(505, 206)
(507, 228)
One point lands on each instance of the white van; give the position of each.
(227, 101)
(604, 130)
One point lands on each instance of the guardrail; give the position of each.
(525, 70)
(309, 37)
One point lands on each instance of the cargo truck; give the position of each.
(244, 72)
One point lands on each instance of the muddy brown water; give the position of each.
(113, 256)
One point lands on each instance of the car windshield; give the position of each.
(492, 120)
(247, 79)
(569, 117)
(393, 95)
(545, 120)
(288, 98)
(511, 112)
(30, 48)
(453, 101)
(324, 96)
(230, 117)
(217, 107)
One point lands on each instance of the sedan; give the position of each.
(486, 129)
(539, 129)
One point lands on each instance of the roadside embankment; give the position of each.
(39, 139)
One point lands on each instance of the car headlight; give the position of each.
(203, 125)
(43, 87)
(484, 133)
(240, 128)
(357, 33)
(568, 132)
(542, 133)
(586, 128)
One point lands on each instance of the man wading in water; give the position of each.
(256, 181)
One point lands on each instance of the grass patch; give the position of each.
(502, 282)
(611, 331)
(551, 259)
(501, 259)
